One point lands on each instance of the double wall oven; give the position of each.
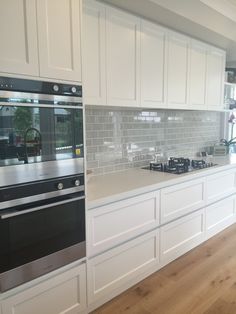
(42, 197)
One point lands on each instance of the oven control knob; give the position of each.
(60, 186)
(77, 182)
(73, 89)
(55, 88)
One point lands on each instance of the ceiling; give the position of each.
(212, 21)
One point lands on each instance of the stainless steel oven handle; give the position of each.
(14, 213)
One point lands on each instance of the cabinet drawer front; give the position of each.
(115, 223)
(219, 216)
(64, 294)
(220, 185)
(111, 270)
(182, 199)
(182, 235)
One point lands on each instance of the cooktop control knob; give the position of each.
(77, 182)
(73, 89)
(55, 88)
(60, 186)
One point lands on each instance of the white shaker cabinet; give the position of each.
(18, 37)
(122, 58)
(62, 294)
(181, 235)
(94, 75)
(153, 65)
(219, 216)
(59, 37)
(215, 78)
(198, 68)
(178, 71)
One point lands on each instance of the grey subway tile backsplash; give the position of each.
(118, 139)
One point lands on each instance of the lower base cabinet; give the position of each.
(119, 266)
(63, 294)
(219, 216)
(181, 235)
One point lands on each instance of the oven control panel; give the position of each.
(42, 189)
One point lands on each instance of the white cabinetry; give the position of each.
(215, 78)
(121, 266)
(113, 224)
(94, 61)
(178, 70)
(123, 58)
(197, 81)
(18, 37)
(63, 294)
(219, 216)
(38, 42)
(59, 39)
(181, 235)
(153, 65)
(181, 199)
(220, 185)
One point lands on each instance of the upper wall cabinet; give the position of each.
(41, 38)
(178, 70)
(59, 39)
(18, 37)
(153, 65)
(198, 71)
(122, 58)
(215, 78)
(94, 76)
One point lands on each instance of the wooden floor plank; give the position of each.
(201, 281)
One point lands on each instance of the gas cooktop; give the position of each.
(179, 165)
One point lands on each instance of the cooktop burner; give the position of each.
(179, 165)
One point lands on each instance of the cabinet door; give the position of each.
(215, 78)
(110, 272)
(181, 235)
(153, 65)
(18, 37)
(59, 39)
(220, 185)
(178, 71)
(94, 79)
(123, 58)
(63, 294)
(219, 216)
(198, 62)
(118, 222)
(181, 199)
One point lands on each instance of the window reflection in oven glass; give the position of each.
(34, 134)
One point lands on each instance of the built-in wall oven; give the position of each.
(42, 196)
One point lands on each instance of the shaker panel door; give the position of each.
(59, 31)
(18, 37)
(123, 58)
(153, 65)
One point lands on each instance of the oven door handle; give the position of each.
(13, 213)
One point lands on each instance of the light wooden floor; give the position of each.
(201, 281)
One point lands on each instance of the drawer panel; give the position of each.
(181, 199)
(63, 294)
(219, 216)
(182, 235)
(113, 224)
(111, 270)
(220, 185)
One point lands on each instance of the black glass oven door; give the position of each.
(35, 134)
(30, 234)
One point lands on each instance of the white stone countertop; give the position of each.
(108, 188)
